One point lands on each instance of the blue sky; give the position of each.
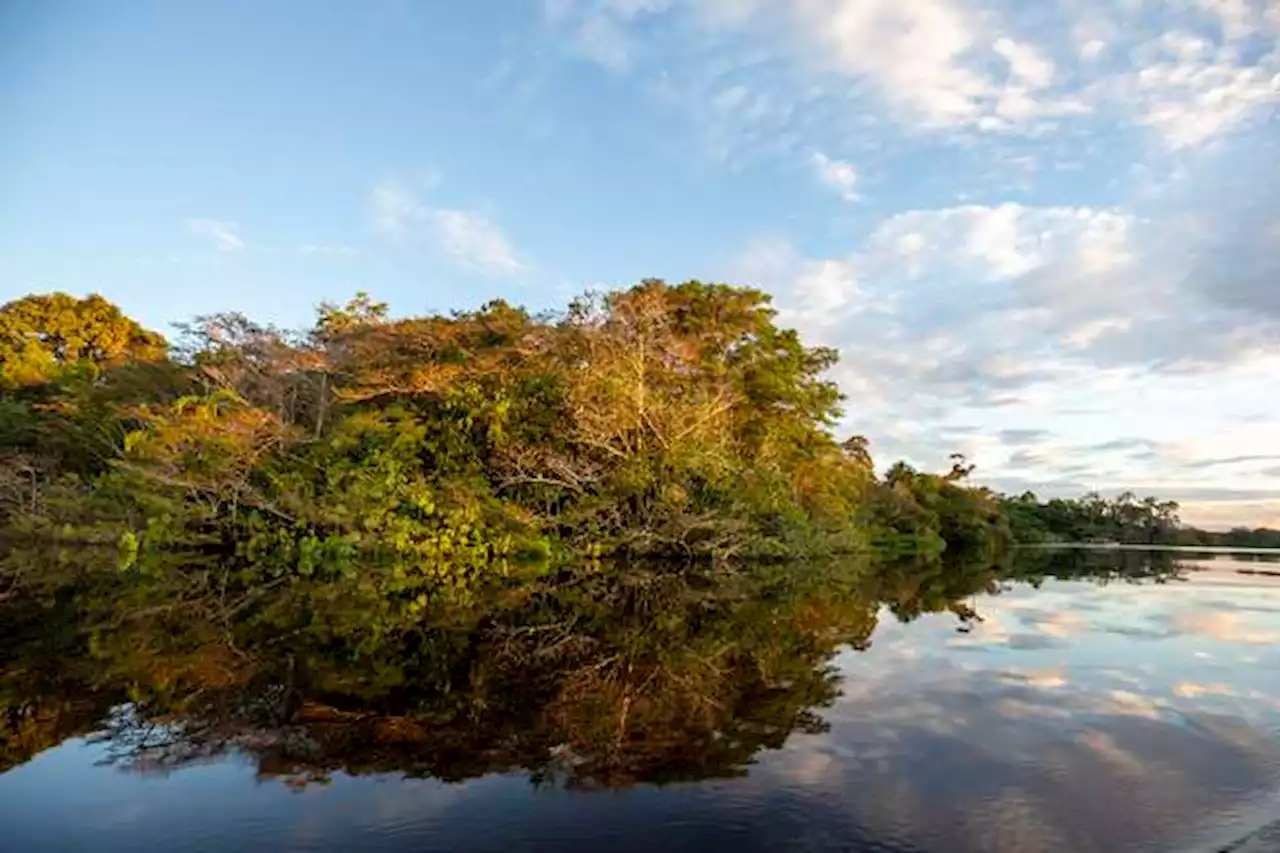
(1043, 234)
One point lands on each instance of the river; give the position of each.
(1103, 702)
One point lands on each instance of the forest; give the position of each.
(415, 457)
(1125, 519)
(652, 422)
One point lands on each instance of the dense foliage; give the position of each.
(424, 452)
(655, 420)
(1236, 537)
(921, 513)
(1093, 518)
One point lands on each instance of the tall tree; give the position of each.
(44, 335)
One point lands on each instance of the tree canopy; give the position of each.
(44, 335)
(658, 420)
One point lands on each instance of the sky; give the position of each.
(1045, 235)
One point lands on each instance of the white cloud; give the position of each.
(1238, 19)
(1189, 72)
(473, 241)
(1223, 627)
(1191, 690)
(826, 286)
(603, 40)
(395, 209)
(1225, 514)
(930, 60)
(1001, 241)
(222, 234)
(837, 174)
(913, 52)
(1092, 49)
(1191, 91)
(940, 304)
(469, 239)
(1026, 65)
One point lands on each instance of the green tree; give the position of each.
(42, 336)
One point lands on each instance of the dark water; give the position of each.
(1068, 703)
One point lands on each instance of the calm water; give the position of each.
(1093, 706)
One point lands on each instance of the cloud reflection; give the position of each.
(1002, 752)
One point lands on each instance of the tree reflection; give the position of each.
(596, 678)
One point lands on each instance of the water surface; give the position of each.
(1088, 702)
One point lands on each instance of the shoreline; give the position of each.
(1124, 546)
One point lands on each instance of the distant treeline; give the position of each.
(1125, 519)
(1236, 537)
